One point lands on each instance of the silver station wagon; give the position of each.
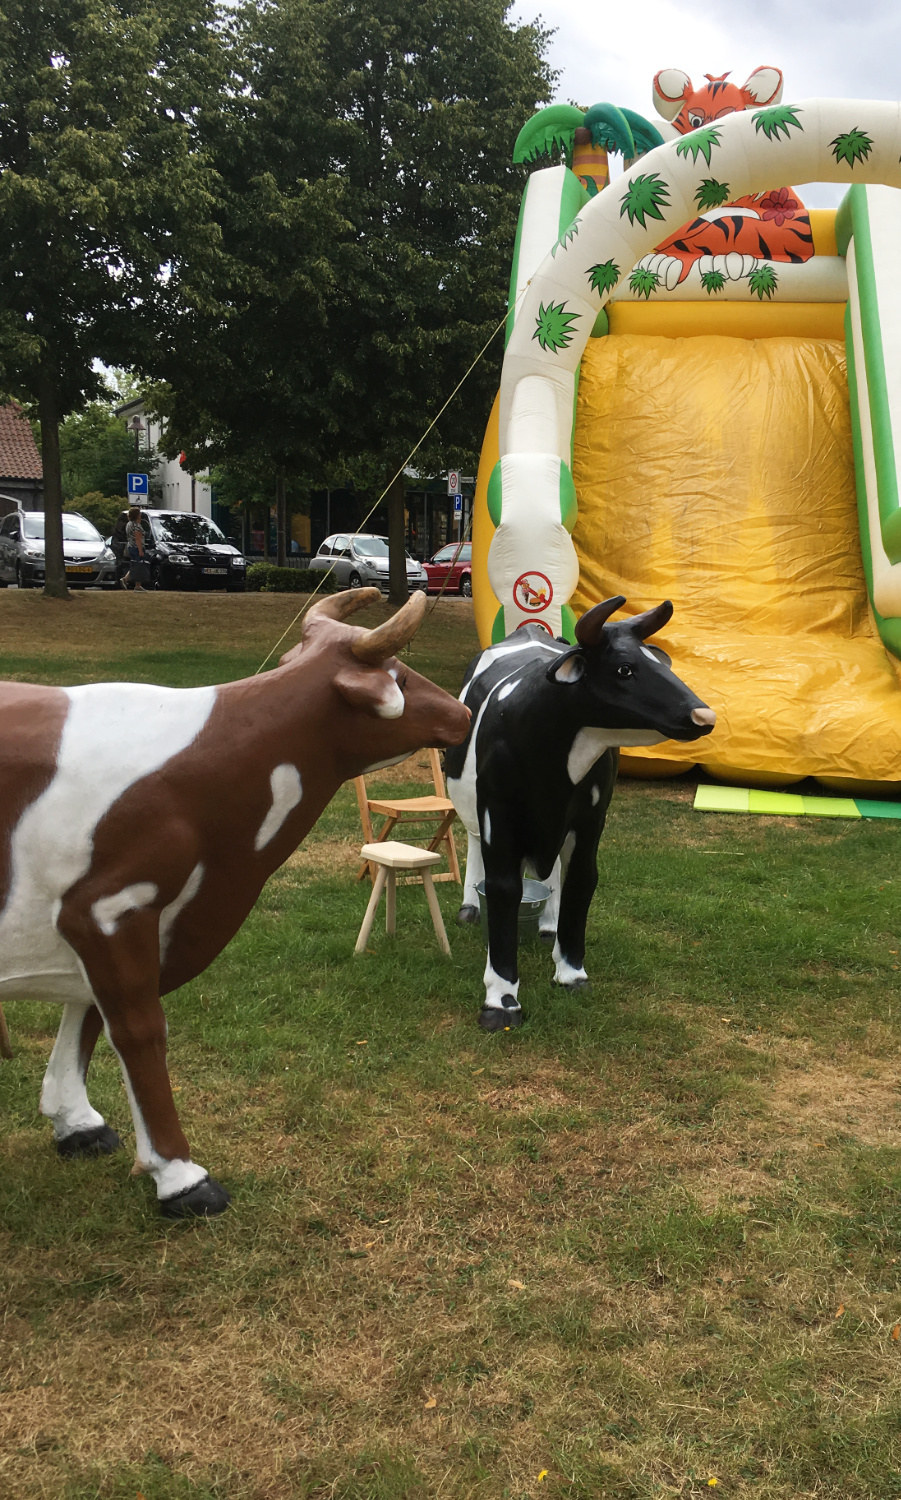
(361, 561)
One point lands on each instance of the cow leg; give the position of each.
(503, 893)
(123, 968)
(547, 922)
(78, 1128)
(475, 871)
(579, 884)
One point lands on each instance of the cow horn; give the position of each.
(340, 606)
(588, 629)
(652, 620)
(386, 640)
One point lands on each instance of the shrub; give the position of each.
(266, 578)
(103, 511)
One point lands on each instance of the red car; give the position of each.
(451, 568)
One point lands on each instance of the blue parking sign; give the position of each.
(458, 505)
(137, 484)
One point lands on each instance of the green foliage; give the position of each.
(781, 119)
(604, 276)
(711, 194)
(643, 282)
(96, 453)
(566, 237)
(645, 135)
(553, 328)
(712, 281)
(644, 197)
(103, 511)
(699, 143)
(854, 146)
(266, 578)
(610, 129)
(548, 133)
(763, 281)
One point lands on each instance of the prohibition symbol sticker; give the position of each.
(533, 592)
(524, 625)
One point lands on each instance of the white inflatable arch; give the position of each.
(532, 563)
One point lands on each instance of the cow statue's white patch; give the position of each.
(114, 735)
(286, 793)
(508, 688)
(496, 988)
(391, 703)
(486, 826)
(108, 911)
(595, 796)
(589, 745)
(564, 973)
(169, 913)
(64, 1099)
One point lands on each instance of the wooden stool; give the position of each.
(5, 1044)
(391, 857)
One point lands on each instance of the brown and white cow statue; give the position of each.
(138, 826)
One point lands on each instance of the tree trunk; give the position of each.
(398, 588)
(280, 520)
(266, 552)
(54, 563)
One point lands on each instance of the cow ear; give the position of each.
(671, 88)
(658, 653)
(765, 84)
(567, 668)
(373, 691)
(651, 621)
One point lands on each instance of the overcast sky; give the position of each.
(825, 48)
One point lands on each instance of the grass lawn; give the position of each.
(647, 1246)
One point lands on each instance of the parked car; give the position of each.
(87, 557)
(452, 567)
(185, 551)
(361, 561)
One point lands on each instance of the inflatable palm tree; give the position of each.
(584, 137)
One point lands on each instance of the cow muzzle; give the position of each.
(705, 718)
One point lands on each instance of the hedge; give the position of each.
(266, 578)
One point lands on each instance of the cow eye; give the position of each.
(624, 672)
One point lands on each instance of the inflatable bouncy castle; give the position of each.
(701, 400)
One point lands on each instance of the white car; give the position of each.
(361, 561)
(88, 559)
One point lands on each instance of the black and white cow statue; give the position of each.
(533, 779)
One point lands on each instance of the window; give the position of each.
(186, 528)
(371, 546)
(341, 547)
(75, 528)
(326, 549)
(10, 526)
(446, 555)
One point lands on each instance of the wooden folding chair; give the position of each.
(437, 809)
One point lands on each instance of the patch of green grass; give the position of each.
(648, 1240)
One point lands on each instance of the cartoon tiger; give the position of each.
(731, 238)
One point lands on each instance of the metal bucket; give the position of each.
(534, 899)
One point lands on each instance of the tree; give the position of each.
(104, 198)
(370, 211)
(96, 453)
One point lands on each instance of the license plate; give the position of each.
(219, 571)
(70, 569)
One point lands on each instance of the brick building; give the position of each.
(21, 473)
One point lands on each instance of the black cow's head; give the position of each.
(618, 682)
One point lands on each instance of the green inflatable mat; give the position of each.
(740, 799)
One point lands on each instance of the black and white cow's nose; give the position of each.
(703, 716)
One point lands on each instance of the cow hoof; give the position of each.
(467, 915)
(202, 1201)
(549, 937)
(492, 1018)
(98, 1141)
(574, 984)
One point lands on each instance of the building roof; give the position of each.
(19, 456)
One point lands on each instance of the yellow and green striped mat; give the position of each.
(741, 799)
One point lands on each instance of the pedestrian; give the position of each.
(134, 548)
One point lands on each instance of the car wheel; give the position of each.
(466, 585)
(355, 581)
(21, 580)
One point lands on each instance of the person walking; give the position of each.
(138, 572)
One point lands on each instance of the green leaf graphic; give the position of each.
(763, 280)
(643, 282)
(699, 143)
(603, 277)
(855, 145)
(552, 326)
(566, 236)
(643, 198)
(711, 194)
(778, 120)
(712, 281)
